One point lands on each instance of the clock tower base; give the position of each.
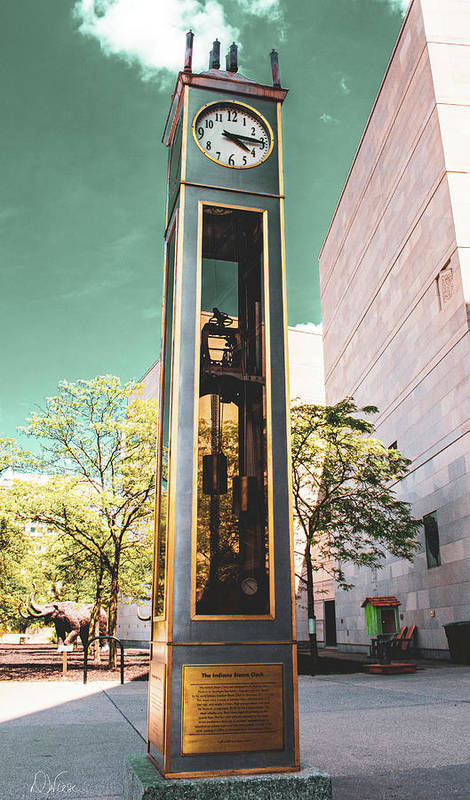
(143, 782)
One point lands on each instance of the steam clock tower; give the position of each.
(223, 679)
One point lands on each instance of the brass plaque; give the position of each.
(157, 704)
(232, 708)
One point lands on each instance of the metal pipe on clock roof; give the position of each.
(231, 59)
(275, 68)
(214, 56)
(188, 55)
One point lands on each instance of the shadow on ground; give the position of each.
(64, 739)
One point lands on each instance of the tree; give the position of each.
(98, 441)
(18, 560)
(344, 494)
(13, 554)
(11, 455)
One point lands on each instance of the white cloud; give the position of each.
(313, 327)
(397, 5)
(344, 85)
(151, 33)
(328, 119)
(261, 8)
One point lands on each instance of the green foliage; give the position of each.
(344, 489)
(13, 550)
(96, 496)
(20, 566)
(12, 455)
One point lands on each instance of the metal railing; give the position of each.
(85, 660)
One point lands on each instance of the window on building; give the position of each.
(431, 537)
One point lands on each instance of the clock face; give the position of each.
(233, 134)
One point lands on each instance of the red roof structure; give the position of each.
(381, 602)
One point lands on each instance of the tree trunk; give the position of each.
(311, 610)
(112, 616)
(94, 628)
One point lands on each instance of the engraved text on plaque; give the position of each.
(232, 708)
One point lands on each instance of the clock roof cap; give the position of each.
(229, 81)
(222, 73)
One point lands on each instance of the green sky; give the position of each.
(83, 168)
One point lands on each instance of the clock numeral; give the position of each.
(232, 118)
(253, 131)
(209, 123)
(208, 145)
(244, 160)
(218, 154)
(218, 117)
(244, 120)
(261, 144)
(231, 160)
(253, 152)
(200, 132)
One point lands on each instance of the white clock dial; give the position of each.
(233, 134)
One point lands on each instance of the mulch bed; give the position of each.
(329, 665)
(42, 662)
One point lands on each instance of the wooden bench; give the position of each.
(374, 649)
(401, 643)
(404, 641)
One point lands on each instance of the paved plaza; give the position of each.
(405, 736)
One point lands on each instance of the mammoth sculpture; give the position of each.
(70, 620)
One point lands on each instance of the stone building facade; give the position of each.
(395, 288)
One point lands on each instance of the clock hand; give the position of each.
(235, 139)
(248, 138)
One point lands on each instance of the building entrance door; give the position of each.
(330, 623)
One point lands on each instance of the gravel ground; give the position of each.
(42, 662)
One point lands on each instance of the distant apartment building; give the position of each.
(37, 532)
(395, 289)
(306, 383)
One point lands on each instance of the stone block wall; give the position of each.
(395, 288)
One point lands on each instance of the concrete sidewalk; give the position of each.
(63, 739)
(403, 736)
(387, 737)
